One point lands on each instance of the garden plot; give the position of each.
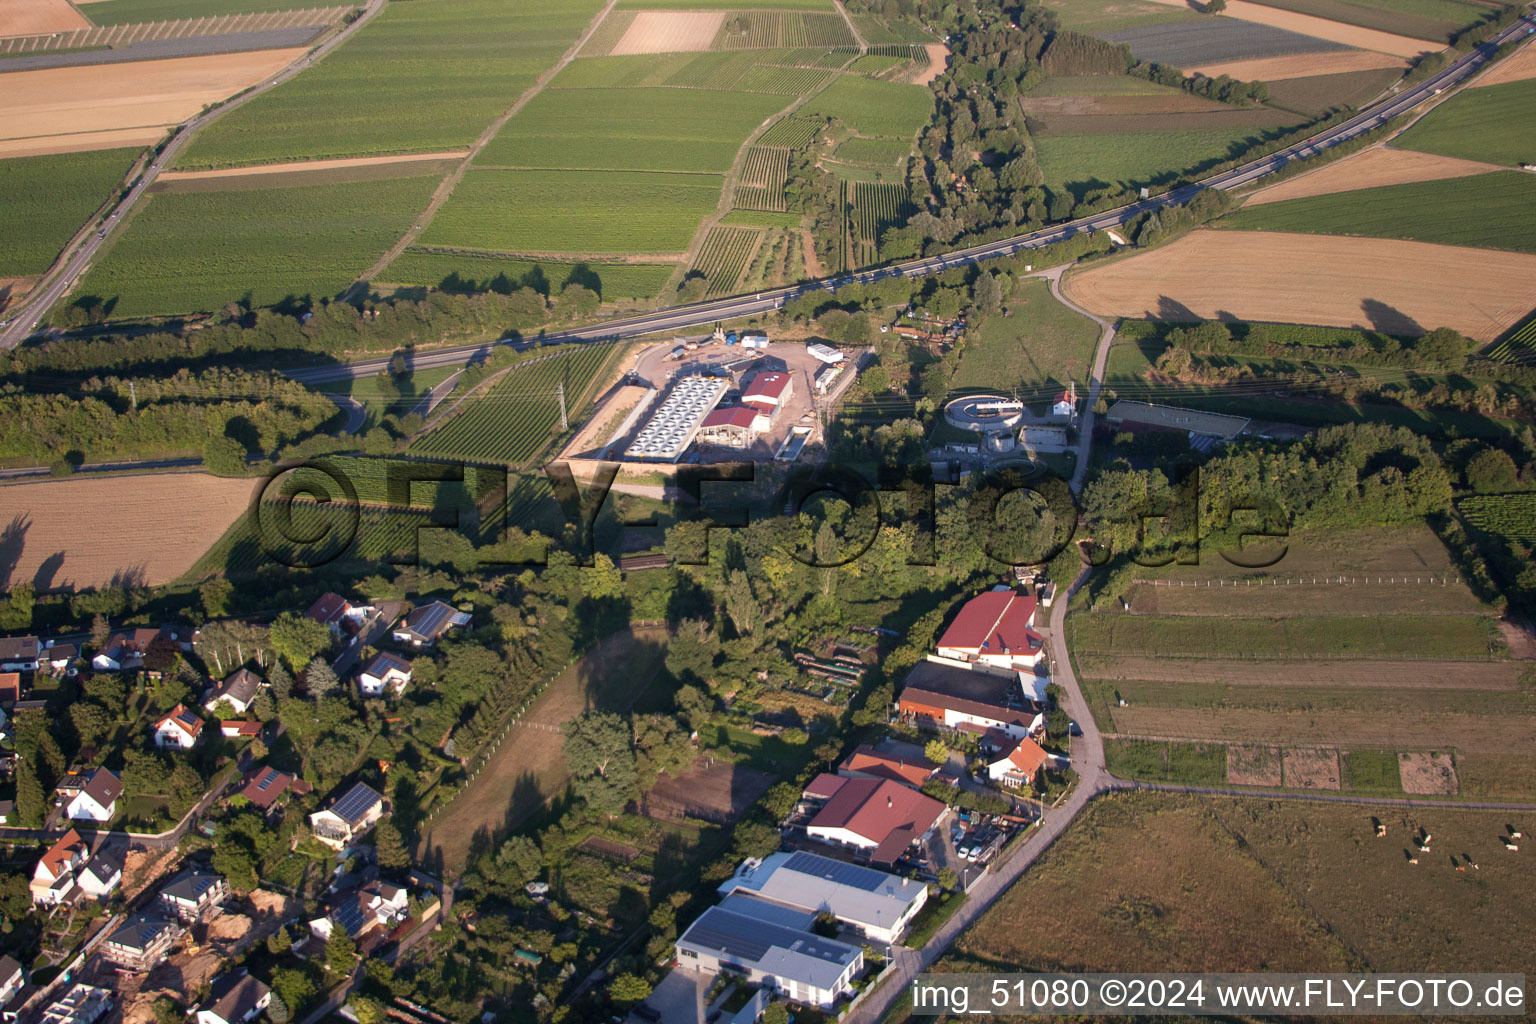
(1311, 769)
(1254, 766)
(1428, 774)
(1221, 39)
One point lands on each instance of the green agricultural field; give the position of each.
(873, 107)
(1502, 515)
(877, 31)
(1491, 211)
(1096, 16)
(724, 257)
(1100, 85)
(1038, 349)
(712, 5)
(44, 200)
(381, 397)
(197, 252)
(1321, 636)
(517, 418)
(1317, 94)
(1136, 157)
(421, 76)
(1495, 124)
(792, 132)
(882, 153)
(463, 272)
(761, 219)
(1422, 19)
(782, 72)
(127, 12)
(629, 129)
(577, 212)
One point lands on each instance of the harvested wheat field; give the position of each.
(1157, 103)
(1299, 65)
(669, 32)
(1390, 675)
(1517, 67)
(86, 531)
(1311, 769)
(1254, 766)
(1371, 169)
(39, 17)
(313, 165)
(1429, 774)
(1393, 286)
(1322, 28)
(55, 105)
(81, 142)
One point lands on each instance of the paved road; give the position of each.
(679, 317)
(57, 283)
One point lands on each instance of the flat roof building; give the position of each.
(879, 906)
(673, 426)
(1147, 416)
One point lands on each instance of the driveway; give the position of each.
(679, 997)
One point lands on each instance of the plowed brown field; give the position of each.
(1371, 169)
(1322, 28)
(39, 17)
(1315, 279)
(1300, 65)
(669, 32)
(86, 531)
(1517, 67)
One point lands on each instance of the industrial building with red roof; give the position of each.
(877, 816)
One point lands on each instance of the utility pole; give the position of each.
(133, 396)
(560, 392)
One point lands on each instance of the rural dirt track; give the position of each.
(82, 532)
(1372, 168)
(38, 17)
(669, 32)
(55, 104)
(1517, 67)
(1302, 65)
(313, 165)
(1322, 28)
(448, 184)
(1394, 286)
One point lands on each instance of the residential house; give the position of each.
(141, 942)
(53, 879)
(773, 946)
(82, 1004)
(967, 697)
(266, 786)
(10, 687)
(59, 657)
(880, 818)
(424, 625)
(102, 874)
(1019, 765)
(12, 980)
(348, 817)
(96, 799)
(384, 673)
(1065, 406)
(19, 653)
(7, 808)
(338, 614)
(192, 894)
(234, 999)
(995, 628)
(239, 728)
(867, 762)
(124, 652)
(178, 730)
(238, 691)
(878, 906)
(367, 914)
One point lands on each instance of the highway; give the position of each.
(678, 317)
(85, 245)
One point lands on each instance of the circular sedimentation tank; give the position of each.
(985, 414)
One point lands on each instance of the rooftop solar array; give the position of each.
(351, 916)
(357, 801)
(671, 428)
(836, 871)
(752, 938)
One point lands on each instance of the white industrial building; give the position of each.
(671, 429)
(826, 353)
(879, 906)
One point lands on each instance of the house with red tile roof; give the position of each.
(866, 762)
(1020, 765)
(178, 730)
(265, 786)
(942, 694)
(878, 817)
(995, 628)
(54, 876)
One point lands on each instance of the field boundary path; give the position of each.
(857, 36)
(447, 185)
(1095, 375)
(81, 250)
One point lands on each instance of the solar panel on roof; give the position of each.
(356, 801)
(350, 916)
(266, 780)
(836, 871)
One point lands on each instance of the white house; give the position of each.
(54, 876)
(372, 905)
(995, 628)
(178, 730)
(235, 998)
(102, 874)
(338, 614)
(349, 817)
(1065, 406)
(877, 905)
(96, 800)
(124, 651)
(1019, 765)
(12, 979)
(192, 894)
(424, 625)
(19, 653)
(384, 673)
(238, 690)
(59, 657)
(82, 1004)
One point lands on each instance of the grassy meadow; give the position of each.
(198, 251)
(1491, 211)
(426, 75)
(128, 12)
(45, 199)
(1138, 156)
(1494, 124)
(873, 107)
(1038, 349)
